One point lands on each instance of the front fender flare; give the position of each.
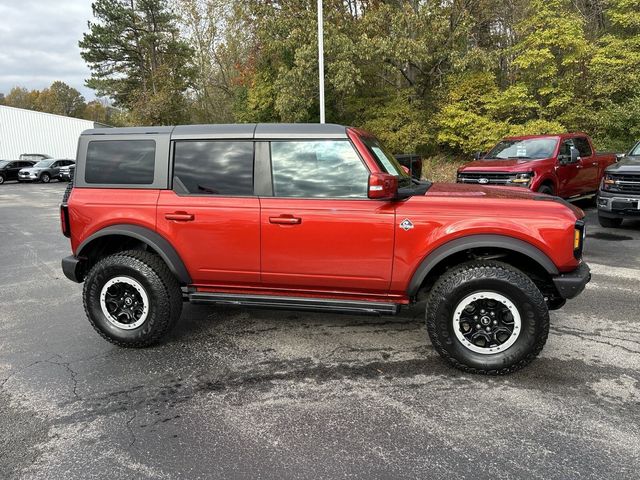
(151, 238)
(477, 241)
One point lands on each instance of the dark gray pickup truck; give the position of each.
(619, 195)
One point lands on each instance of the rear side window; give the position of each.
(120, 162)
(326, 168)
(213, 168)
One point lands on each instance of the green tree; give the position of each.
(137, 57)
(20, 97)
(61, 99)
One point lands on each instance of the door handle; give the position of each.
(595, 164)
(180, 216)
(285, 220)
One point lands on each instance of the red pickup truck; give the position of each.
(565, 165)
(311, 217)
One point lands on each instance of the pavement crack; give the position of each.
(73, 374)
(594, 338)
(131, 433)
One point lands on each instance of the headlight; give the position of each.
(608, 182)
(523, 179)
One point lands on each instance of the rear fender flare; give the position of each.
(151, 238)
(472, 242)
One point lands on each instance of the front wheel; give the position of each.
(45, 178)
(546, 189)
(487, 317)
(609, 222)
(132, 299)
(1, 179)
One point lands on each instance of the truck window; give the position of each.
(582, 144)
(325, 168)
(531, 148)
(213, 168)
(565, 148)
(120, 162)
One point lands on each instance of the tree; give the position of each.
(137, 58)
(61, 99)
(20, 97)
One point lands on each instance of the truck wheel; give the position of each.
(546, 189)
(45, 178)
(132, 299)
(487, 317)
(609, 222)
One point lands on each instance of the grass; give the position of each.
(442, 168)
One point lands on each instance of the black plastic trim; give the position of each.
(570, 285)
(72, 269)
(477, 241)
(153, 239)
(297, 303)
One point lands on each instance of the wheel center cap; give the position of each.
(485, 320)
(128, 301)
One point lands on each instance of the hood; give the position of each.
(510, 165)
(473, 192)
(626, 165)
(31, 169)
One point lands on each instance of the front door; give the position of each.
(11, 171)
(568, 174)
(320, 232)
(211, 216)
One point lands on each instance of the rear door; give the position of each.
(588, 166)
(319, 230)
(211, 215)
(11, 171)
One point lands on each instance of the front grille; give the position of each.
(625, 183)
(485, 178)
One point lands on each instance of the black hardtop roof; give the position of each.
(230, 131)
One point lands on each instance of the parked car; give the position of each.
(44, 171)
(564, 165)
(66, 173)
(619, 195)
(311, 217)
(34, 157)
(412, 162)
(9, 169)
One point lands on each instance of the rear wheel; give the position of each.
(1, 179)
(609, 222)
(487, 317)
(132, 299)
(45, 178)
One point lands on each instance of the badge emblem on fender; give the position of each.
(406, 225)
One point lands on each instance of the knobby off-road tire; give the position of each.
(133, 276)
(491, 280)
(609, 222)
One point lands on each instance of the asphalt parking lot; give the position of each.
(239, 393)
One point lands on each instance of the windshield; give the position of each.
(635, 151)
(3, 163)
(43, 164)
(386, 161)
(532, 149)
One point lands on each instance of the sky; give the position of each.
(39, 43)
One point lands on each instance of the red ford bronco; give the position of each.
(313, 217)
(564, 165)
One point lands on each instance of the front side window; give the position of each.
(387, 161)
(213, 168)
(318, 169)
(582, 144)
(635, 151)
(120, 162)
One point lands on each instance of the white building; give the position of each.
(27, 131)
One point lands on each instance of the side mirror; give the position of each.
(575, 155)
(382, 186)
(478, 155)
(406, 170)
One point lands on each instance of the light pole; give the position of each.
(321, 59)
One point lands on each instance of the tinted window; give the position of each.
(116, 162)
(213, 168)
(531, 149)
(325, 168)
(565, 149)
(582, 144)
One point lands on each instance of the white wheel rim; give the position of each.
(114, 319)
(460, 321)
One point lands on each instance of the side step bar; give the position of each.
(297, 303)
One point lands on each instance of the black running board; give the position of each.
(297, 303)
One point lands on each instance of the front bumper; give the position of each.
(571, 284)
(618, 205)
(73, 269)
